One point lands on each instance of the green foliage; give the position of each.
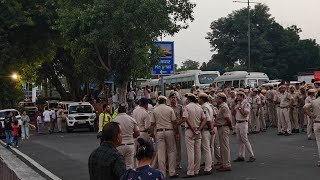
(189, 65)
(275, 50)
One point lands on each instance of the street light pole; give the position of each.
(249, 32)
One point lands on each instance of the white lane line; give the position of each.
(35, 164)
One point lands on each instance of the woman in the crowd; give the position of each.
(40, 124)
(25, 125)
(145, 153)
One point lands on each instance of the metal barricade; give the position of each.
(6, 173)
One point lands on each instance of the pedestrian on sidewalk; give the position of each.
(8, 129)
(53, 120)
(25, 125)
(106, 162)
(15, 128)
(47, 120)
(40, 122)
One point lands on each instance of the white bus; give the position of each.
(188, 78)
(239, 79)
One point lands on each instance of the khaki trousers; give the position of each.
(255, 120)
(178, 149)
(309, 126)
(206, 150)
(215, 147)
(285, 118)
(165, 144)
(280, 124)
(224, 133)
(262, 118)
(128, 151)
(294, 116)
(301, 117)
(242, 137)
(193, 152)
(316, 128)
(272, 113)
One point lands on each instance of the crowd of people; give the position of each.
(208, 117)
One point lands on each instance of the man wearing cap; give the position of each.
(315, 117)
(317, 84)
(129, 131)
(178, 110)
(272, 107)
(294, 112)
(263, 110)
(207, 132)
(309, 99)
(140, 114)
(302, 115)
(195, 121)
(223, 123)
(280, 124)
(255, 102)
(286, 102)
(165, 124)
(242, 112)
(231, 101)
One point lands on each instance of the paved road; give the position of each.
(278, 157)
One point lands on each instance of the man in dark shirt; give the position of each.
(106, 163)
(8, 129)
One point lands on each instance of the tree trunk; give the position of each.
(122, 87)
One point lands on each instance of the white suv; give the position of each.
(3, 114)
(80, 115)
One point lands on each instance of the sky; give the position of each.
(191, 43)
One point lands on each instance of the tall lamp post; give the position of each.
(249, 30)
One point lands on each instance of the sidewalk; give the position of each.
(21, 170)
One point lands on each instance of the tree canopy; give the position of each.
(189, 65)
(275, 50)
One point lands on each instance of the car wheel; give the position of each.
(69, 130)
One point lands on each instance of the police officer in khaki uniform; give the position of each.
(207, 132)
(263, 110)
(129, 131)
(272, 107)
(195, 121)
(309, 99)
(285, 104)
(178, 110)
(141, 115)
(315, 116)
(165, 124)
(280, 125)
(223, 123)
(255, 102)
(215, 148)
(294, 111)
(302, 115)
(231, 101)
(242, 112)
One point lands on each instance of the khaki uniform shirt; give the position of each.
(215, 112)
(263, 100)
(231, 102)
(194, 114)
(285, 99)
(270, 95)
(315, 106)
(208, 112)
(295, 97)
(163, 116)
(128, 126)
(246, 107)
(276, 99)
(223, 113)
(255, 101)
(178, 110)
(142, 117)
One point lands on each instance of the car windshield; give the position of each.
(5, 114)
(80, 109)
(53, 105)
(207, 78)
(28, 104)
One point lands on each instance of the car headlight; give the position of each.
(93, 117)
(70, 118)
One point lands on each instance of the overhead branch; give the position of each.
(100, 58)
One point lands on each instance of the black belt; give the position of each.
(283, 107)
(159, 130)
(316, 121)
(127, 144)
(144, 131)
(242, 121)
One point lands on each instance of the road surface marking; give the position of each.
(35, 164)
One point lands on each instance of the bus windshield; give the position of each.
(207, 78)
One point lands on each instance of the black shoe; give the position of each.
(239, 159)
(60, 132)
(309, 138)
(280, 134)
(174, 176)
(188, 176)
(207, 173)
(297, 131)
(252, 159)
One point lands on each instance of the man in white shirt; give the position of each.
(47, 119)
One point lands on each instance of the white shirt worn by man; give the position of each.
(47, 116)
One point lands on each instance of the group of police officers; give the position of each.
(208, 118)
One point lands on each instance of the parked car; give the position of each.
(64, 106)
(80, 115)
(52, 104)
(3, 114)
(30, 107)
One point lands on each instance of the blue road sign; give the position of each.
(166, 65)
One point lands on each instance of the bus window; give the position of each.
(235, 84)
(228, 84)
(262, 81)
(184, 85)
(190, 84)
(220, 84)
(242, 84)
(252, 83)
(207, 78)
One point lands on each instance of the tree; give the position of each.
(118, 36)
(189, 65)
(275, 50)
